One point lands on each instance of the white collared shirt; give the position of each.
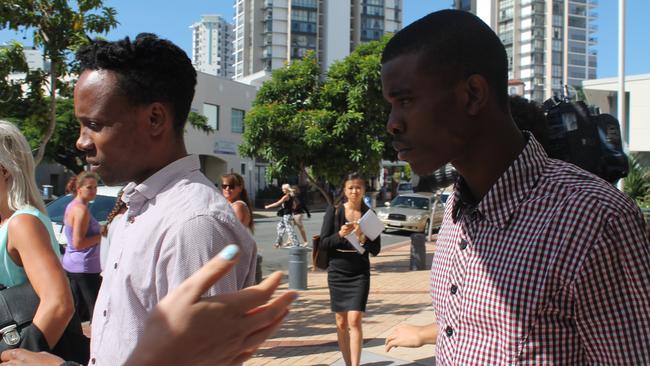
(176, 221)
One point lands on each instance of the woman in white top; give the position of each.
(234, 190)
(28, 249)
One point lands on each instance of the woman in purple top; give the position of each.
(81, 259)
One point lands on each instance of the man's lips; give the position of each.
(402, 150)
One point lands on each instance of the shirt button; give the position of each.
(115, 266)
(92, 360)
(104, 313)
(449, 331)
(453, 289)
(463, 244)
(131, 219)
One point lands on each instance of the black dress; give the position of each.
(348, 273)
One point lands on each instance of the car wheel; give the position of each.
(426, 227)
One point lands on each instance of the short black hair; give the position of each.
(149, 69)
(455, 44)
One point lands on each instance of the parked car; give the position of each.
(100, 207)
(411, 212)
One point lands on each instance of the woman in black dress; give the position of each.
(348, 273)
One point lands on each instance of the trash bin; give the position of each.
(418, 253)
(258, 269)
(298, 263)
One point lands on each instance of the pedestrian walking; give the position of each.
(298, 210)
(348, 272)
(537, 261)
(285, 225)
(81, 259)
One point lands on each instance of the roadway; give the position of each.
(278, 259)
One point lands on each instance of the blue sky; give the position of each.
(171, 19)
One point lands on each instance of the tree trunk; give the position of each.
(52, 122)
(313, 182)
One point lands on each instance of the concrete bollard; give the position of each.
(258, 269)
(418, 252)
(298, 268)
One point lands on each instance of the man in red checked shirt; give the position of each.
(537, 261)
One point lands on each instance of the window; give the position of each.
(212, 112)
(237, 121)
(242, 170)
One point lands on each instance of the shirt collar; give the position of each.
(508, 192)
(159, 180)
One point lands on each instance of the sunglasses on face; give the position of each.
(228, 186)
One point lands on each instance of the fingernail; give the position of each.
(229, 252)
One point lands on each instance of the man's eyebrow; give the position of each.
(398, 92)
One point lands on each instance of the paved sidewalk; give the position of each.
(397, 295)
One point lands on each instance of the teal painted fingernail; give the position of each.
(229, 252)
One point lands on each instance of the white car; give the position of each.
(100, 207)
(411, 212)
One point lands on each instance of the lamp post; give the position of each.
(621, 80)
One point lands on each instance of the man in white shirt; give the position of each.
(132, 100)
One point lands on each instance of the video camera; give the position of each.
(585, 138)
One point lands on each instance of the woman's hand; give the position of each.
(181, 328)
(346, 229)
(23, 357)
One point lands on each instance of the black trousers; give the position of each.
(85, 287)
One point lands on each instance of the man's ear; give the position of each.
(478, 94)
(159, 118)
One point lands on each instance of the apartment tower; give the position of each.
(270, 33)
(212, 41)
(550, 43)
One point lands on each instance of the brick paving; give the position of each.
(397, 295)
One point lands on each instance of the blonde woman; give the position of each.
(285, 225)
(28, 248)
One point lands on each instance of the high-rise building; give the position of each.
(550, 43)
(212, 40)
(270, 33)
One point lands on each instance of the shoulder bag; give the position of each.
(319, 257)
(18, 305)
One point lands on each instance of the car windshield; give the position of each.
(405, 187)
(99, 208)
(420, 203)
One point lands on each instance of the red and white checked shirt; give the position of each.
(552, 266)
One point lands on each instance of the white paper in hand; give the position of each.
(352, 238)
(370, 225)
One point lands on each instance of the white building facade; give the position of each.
(212, 41)
(550, 43)
(604, 94)
(225, 103)
(271, 33)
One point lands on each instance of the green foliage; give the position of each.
(332, 127)
(637, 183)
(200, 122)
(58, 29)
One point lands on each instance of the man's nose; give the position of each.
(394, 126)
(84, 142)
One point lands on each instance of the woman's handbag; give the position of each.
(318, 256)
(18, 305)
